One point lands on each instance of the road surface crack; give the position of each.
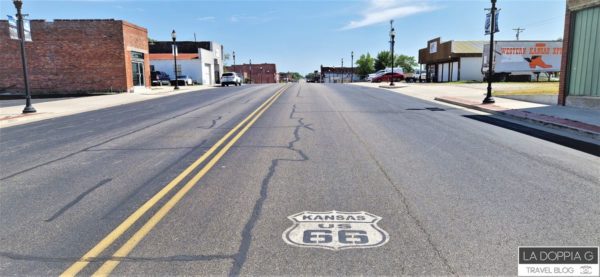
(242, 255)
(213, 123)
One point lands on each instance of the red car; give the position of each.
(388, 76)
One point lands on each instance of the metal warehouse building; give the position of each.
(580, 71)
(452, 60)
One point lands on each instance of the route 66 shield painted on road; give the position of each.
(335, 230)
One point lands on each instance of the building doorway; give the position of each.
(137, 66)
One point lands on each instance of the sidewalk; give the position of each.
(11, 110)
(580, 120)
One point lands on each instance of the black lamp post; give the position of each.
(351, 66)
(251, 78)
(174, 37)
(261, 73)
(488, 98)
(342, 70)
(392, 41)
(28, 107)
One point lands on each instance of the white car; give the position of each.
(183, 80)
(231, 78)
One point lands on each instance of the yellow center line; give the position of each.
(109, 266)
(135, 216)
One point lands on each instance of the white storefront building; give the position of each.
(203, 66)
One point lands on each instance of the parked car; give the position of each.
(231, 78)
(387, 77)
(373, 75)
(160, 78)
(370, 77)
(417, 76)
(183, 80)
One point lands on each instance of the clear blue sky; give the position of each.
(302, 35)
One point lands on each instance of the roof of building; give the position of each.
(467, 46)
(182, 46)
(169, 56)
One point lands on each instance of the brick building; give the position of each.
(262, 73)
(580, 66)
(77, 56)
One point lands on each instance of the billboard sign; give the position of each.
(524, 56)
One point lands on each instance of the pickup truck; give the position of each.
(416, 76)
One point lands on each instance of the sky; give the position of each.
(301, 35)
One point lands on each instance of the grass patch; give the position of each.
(530, 89)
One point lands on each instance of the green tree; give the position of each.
(408, 63)
(311, 76)
(383, 60)
(365, 65)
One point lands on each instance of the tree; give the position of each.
(407, 63)
(383, 60)
(310, 76)
(365, 65)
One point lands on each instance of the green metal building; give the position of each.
(580, 72)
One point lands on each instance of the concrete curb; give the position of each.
(589, 130)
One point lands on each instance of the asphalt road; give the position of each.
(455, 196)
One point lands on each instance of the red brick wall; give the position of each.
(268, 74)
(67, 56)
(136, 39)
(564, 75)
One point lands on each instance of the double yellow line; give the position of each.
(115, 234)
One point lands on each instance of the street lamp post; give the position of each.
(28, 107)
(342, 70)
(174, 37)
(488, 98)
(351, 66)
(392, 37)
(261, 73)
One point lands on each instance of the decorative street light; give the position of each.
(488, 98)
(28, 107)
(251, 79)
(342, 70)
(261, 73)
(351, 66)
(392, 37)
(174, 37)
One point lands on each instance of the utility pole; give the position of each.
(518, 30)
